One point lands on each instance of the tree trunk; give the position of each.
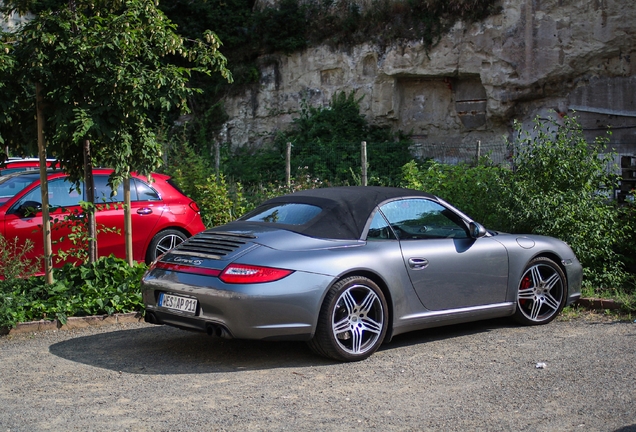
(89, 186)
(44, 187)
(127, 222)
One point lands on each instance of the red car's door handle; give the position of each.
(144, 211)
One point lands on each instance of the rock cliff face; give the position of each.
(534, 57)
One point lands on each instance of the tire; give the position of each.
(541, 294)
(162, 242)
(353, 320)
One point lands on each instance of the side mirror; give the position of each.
(477, 230)
(28, 208)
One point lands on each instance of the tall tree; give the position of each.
(107, 71)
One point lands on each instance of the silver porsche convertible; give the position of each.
(348, 268)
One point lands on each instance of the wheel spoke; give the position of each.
(536, 276)
(356, 340)
(371, 325)
(349, 302)
(162, 249)
(536, 308)
(342, 326)
(368, 302)
(526, 294)
(551, 301)
(552, 281)
(168, 243)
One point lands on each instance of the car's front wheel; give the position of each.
(353, 320)
(162, 242)
(542, 292)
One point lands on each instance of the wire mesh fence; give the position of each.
(456, 153)
(373, 162)
(381, 163)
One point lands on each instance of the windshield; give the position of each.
(13, 184)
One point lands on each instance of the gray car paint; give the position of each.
(289, 308)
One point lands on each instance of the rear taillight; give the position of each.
(248, 274)
(195, 207)
(186, 268)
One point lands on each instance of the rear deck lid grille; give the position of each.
(214, 244)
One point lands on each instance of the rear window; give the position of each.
(174, 185)
(145, 192)
(288, 214)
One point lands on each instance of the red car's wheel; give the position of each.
(162, 242)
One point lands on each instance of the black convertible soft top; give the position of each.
(345, 210)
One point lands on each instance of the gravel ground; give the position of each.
(481, 376)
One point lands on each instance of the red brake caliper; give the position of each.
(524, 285)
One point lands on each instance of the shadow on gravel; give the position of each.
(631, 428)
(159, 350)
(447, 332)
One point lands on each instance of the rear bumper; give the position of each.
(287, 309)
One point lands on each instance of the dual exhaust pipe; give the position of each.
(216, 330)
(212, 329)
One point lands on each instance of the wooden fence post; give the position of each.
(478, 150)
(288, 164)
(217, 159)
(363, 157)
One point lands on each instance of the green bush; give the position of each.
(559, 186)
(107, 286)
(13, 259)
(562, 187)
(220, 201)
(475, 190)
(326, 142)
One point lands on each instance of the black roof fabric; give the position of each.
(345, 209)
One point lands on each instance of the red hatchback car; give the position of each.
(162, 216)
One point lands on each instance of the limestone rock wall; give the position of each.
(535, 57)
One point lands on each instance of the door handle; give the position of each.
(144, 211)
(418, 263)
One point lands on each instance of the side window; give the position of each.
(144, 192)
(379, 229)
(61, 194)
(104, 193)
(422, 219)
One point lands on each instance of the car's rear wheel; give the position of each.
(542, 292)
(353, 320)
(162, 242)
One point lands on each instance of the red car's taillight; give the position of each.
(186, 268)
(194, 206)
(247, 274)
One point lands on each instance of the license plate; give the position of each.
(183, 304)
